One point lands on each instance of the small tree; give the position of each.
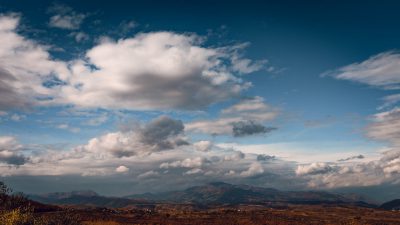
(4, 194)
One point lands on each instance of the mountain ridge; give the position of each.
(211, 194)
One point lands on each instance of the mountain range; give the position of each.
(211, 194)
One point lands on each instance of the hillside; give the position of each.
(391, 205)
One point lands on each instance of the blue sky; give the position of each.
(308, 83)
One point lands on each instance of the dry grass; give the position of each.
(100, 223)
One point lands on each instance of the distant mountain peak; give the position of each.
(219, 183)
(214, 193)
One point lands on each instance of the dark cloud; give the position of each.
(14, 159)
(9, 97)
(246, 128)
(264, 157)
(10, 151)
(352, 157)
(161, 133)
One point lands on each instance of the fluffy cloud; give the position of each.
(203, 146)
(385, 126)
(151, 71)
(10, 151)
(254, 169)
(122, 169)
(324, 175)
(314, 168)
(24, 67)
(186, 163)
(159, 134)
(241, 119)
(64, 17)
(381, 70)
(136, 162)
(159, 70)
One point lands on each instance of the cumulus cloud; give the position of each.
(186, 163)
(122, 169)
(120, 153)
(385, 127)
(314, 168)
(10, 151)
(162, 133)
(24, 67)
(159, 70)
(64, 17)
(203, 146)
(324, 175)
(241, 119)
(381, 70)
(150, 71)
(234, 156)
(254, 169)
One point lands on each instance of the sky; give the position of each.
(125, 98)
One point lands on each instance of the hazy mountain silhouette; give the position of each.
(223, 193)
(391, 205)
(216, 193)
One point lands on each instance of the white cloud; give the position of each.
(97, 120)
(386, 127)
(122, 169)
(254, 169)
(151, 71)
(162, 133)
(24, 67)
(203, 146)
(314, 168)
(148, 174)
(194, 171)
(186, 163)
(382, 70)
(64, 17)
(246, 116)
(10, 151)
(235, 156)
(17, 117)
(390, 100)
(65, 126)
(160, 70)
